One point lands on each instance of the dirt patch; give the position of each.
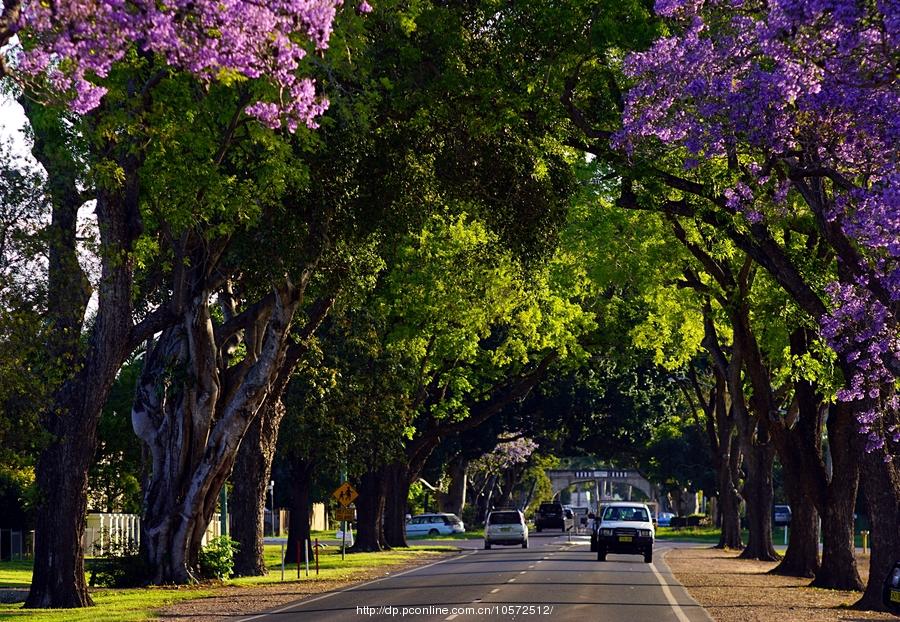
(232, 602)
(738, 590)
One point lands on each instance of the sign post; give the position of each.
(345, 495)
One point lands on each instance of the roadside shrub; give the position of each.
(120, 565)
(217, 558)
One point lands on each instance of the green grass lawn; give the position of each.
(118, 605)
(332, 567)
(15, 574)
(140, 604)
(689, 534)
(711, 535)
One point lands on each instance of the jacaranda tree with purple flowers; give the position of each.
(798, 101)
(803, 98)
(67, 48)
(122, 94)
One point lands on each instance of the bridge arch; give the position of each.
(604, 479)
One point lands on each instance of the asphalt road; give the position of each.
(554, 579)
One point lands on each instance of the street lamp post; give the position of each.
(272, 492)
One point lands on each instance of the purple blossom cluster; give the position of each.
(860, 329)
(801, 97)
(77, 42)
(505, 455)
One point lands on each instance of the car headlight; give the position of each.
(645, 533)
(606, 532)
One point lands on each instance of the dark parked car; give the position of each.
(781, 515)
(553, 516)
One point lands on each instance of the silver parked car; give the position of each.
(505, 526)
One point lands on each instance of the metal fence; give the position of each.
(16, 544)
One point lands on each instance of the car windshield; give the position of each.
(626, 514)
(504, 518)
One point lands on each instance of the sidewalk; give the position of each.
(736, 590)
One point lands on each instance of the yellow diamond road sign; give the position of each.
(345, 494)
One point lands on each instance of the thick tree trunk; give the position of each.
(880, 478)
(727, 460)
(298, 531)
(397, 480)
(58, 579)
(370, 513)
(729, 508)
(802, 556)
(455, 499)
(758, 460)
(250, 477)
(838, 570)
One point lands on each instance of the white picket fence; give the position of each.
(106, 529)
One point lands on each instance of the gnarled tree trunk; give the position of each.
(192, 412)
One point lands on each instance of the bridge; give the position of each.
(607, 482)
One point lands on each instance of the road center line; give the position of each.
(679, 613)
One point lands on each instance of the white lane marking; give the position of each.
(495, 590)
(539, 561)
(351, 588)
(523, 572)
(531, 567)
(679, 613)
(511, 580)
(451, 616)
